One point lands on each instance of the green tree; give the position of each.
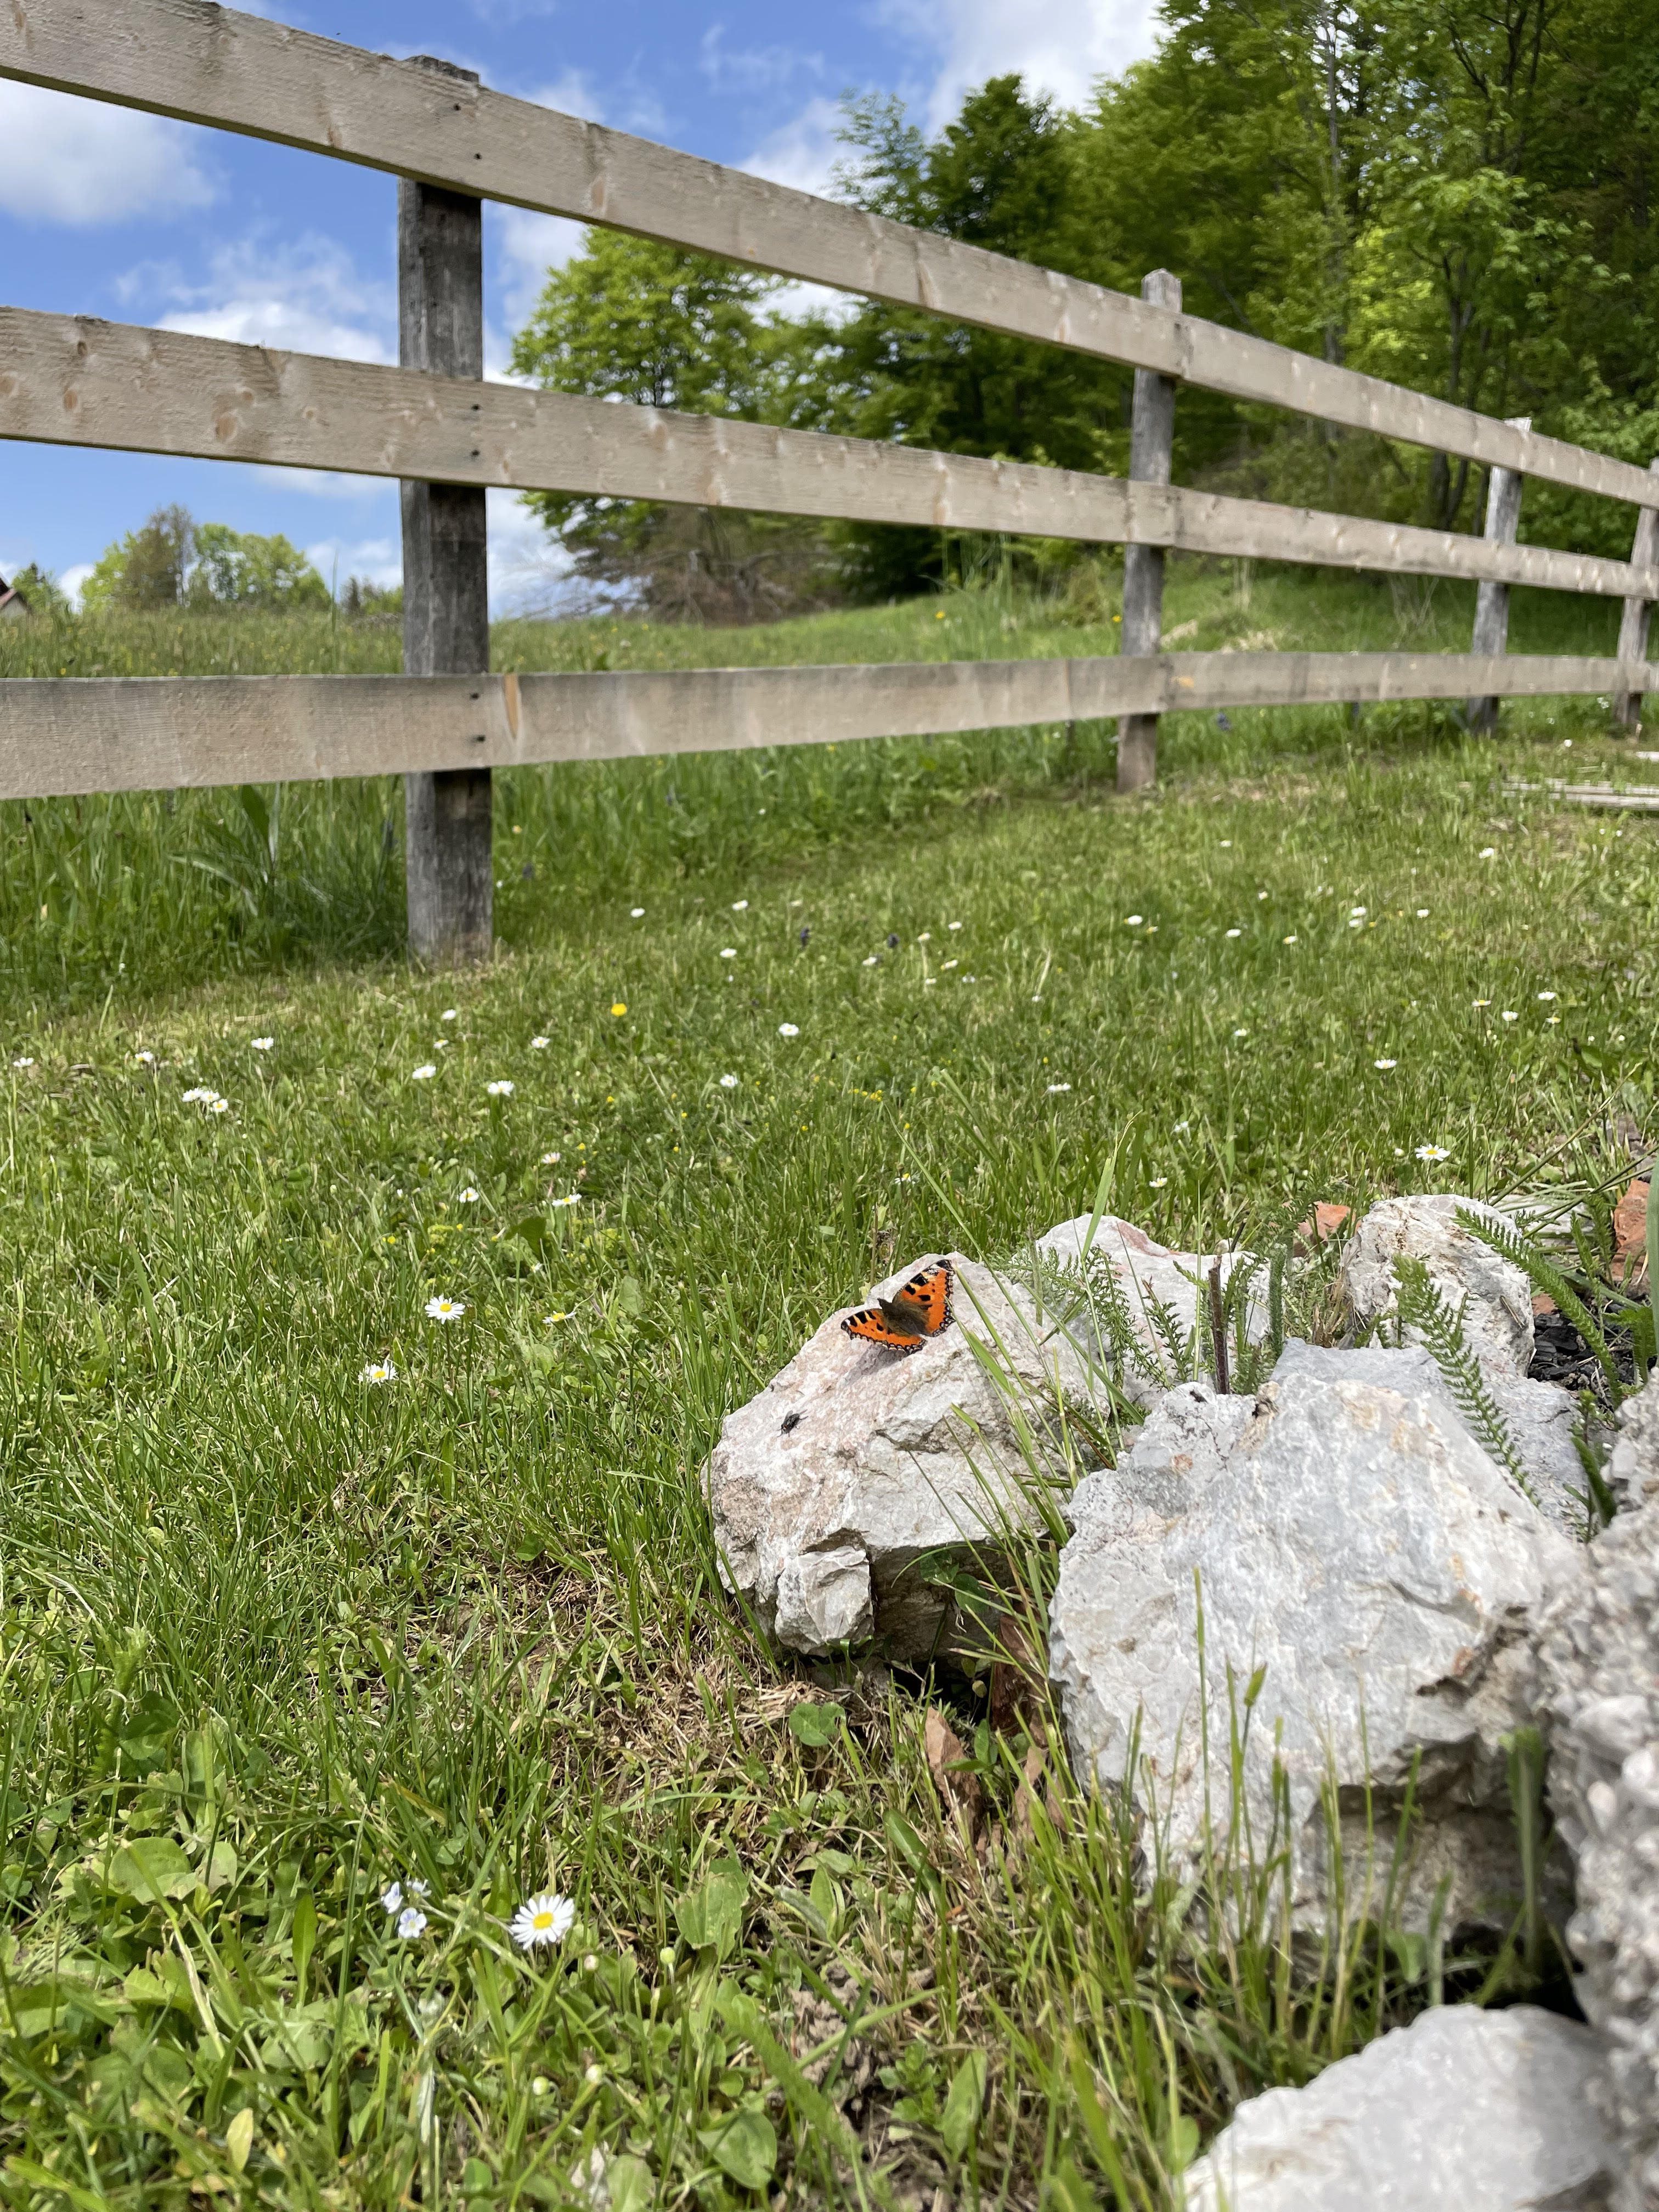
(626, 319)
(238, 569)
(40, 589)
(148, 567)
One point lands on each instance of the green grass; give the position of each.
(317, 1635)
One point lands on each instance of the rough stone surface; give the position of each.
(1464, 2110)
(1540, 1418)
(1150, 1277)
(835, 1489)
(1497, 1319)
(1351, 1537)
(1598, 1691)
(1633, 1468)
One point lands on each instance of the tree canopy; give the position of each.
(175, 561)
(1453, 194)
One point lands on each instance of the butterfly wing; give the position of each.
(927, 1294)
(915, 1312)
(872, 1323)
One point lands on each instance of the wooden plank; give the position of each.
(1634, 620)
(1151, 454)
(448, 813)
(1633, 799)
(209, 65)
(63, 735)
(77, 380)
(1491, 601)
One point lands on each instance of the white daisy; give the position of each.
(1158, 1182)
(728, 952)
(638, 913)
(548, 1918)
(145, 1059)
(380, 1371)
(262, 1044)
(1433, 1152)
(953, 925)
(926, 937)
(1356, 914)
(469, 1196)
(1239, 1033)
(549, 1159)
(1132, 921)
(411, 1923)
(26, 1061)
(947, 965)
(1489, 852)
(1234, 932)
(1483, 1002)
(1290, 939)
(501, 1088)
(728, 1082)
(539, 1043)
(574, 1198)
(1385, 1063)
(873, 960)
(444, 1309)
(425, 1071)
(1547, 995)
(450, 1014)
(788, 1028)
(1422, 914)
(1509, 1016)
(548, 1320)
(739, 906)
(199, 1095)
(1059, 1086)
(218, 1105)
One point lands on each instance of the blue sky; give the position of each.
(109, 212)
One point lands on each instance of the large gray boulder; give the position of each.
(1633, 1465)
(1539, 1418)
(1351, 1540)
(1464, 2110)
(1497, 1318)
(1112, 1269)
(859, 1469)
(1598, 1693)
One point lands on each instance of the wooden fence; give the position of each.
(436, 425)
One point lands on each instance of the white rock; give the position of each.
(856, 1468)
(1465, 2111)
(1497, 1319)
(1354, 1540)
(1633, 1468)
(1598, 1694)
(1159, 1291)
(1540, 1418)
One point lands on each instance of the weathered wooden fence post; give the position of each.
(1151, 437)
(1633, 624)
(1492, 600)
(447, 814)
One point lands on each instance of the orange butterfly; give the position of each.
(905, 1321)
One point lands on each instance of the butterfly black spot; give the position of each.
(893, 941)
(805, 933)
(791, 1421)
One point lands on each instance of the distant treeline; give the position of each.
(1455, 196)
(175, 562)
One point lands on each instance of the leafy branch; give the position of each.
(1424, 1307)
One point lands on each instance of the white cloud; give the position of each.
(573, 94)
(755, 68)
(530, 572)
(527, 246)
(72, 578)
(803, 151)
(80, 161)
(1061, 47)
(307, 297)
(376, 560)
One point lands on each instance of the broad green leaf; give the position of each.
(151, 1868)
(816, 1726)
(238, 2137)
(303, 1938)
(961, 2107)
(629, 2180)
(746, 2147)
(710, 1916)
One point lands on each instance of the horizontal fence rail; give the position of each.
(62, 737)
(208, 64)
(75, 380)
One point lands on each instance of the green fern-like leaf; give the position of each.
(1423, 1306)
(1541, 1271)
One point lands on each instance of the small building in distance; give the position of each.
(12, 601)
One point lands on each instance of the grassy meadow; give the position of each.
(278, 1636)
